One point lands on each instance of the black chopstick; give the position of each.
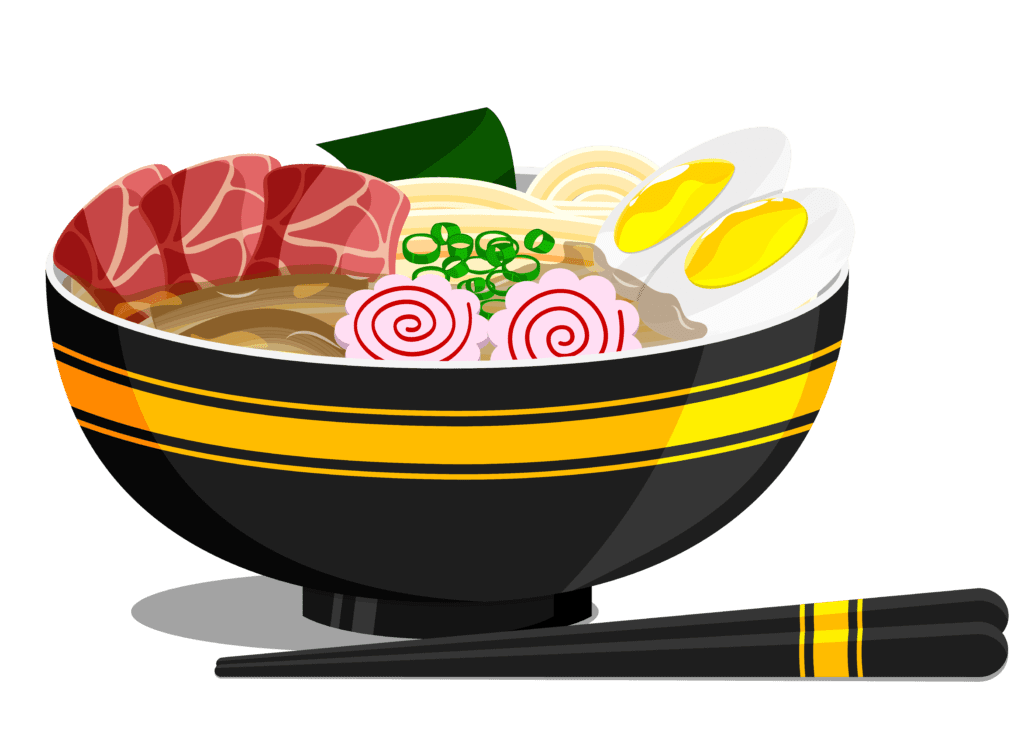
(966, 650)
(943, 634)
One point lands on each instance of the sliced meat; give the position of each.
(328, 220)
(207, 219)
(109, 249)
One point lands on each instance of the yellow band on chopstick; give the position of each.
(803, 639)
(860, 638)
(831, 638)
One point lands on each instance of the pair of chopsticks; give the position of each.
(954, 634)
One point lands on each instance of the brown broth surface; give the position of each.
(296, 313)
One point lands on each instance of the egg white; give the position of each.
(761, 156)
(806, 269)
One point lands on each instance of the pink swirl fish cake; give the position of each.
(561, 316)
(402, 319)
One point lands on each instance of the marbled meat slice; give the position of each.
(108, 248)
(207, 219)
(328, 220)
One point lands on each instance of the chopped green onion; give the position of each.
(441, 232)
(545, 244)
(494, 287)
(478, 286)
(501, 252)
(460, 246)
(499, 236)
(454, 268)
(520, 276)
(425, 258)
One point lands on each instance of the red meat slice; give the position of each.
(207, 219)
(328, 220)
(108, 248)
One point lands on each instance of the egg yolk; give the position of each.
(671, 202)
(745, 243)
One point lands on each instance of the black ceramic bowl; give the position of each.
(405, 512)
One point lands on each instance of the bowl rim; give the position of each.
(56, 278)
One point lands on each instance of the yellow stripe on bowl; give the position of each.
(419, 444)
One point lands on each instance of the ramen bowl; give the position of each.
(434, 499)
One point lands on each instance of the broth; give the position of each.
(296, 313)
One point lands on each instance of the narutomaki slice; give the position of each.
(108, 248)
(207, 219)
(328, 220)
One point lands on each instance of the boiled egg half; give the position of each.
(761, 260)
(681, 198)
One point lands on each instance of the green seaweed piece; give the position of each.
(467, 145)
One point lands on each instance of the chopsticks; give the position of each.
(942, 634)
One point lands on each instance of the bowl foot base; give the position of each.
(427, 618)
